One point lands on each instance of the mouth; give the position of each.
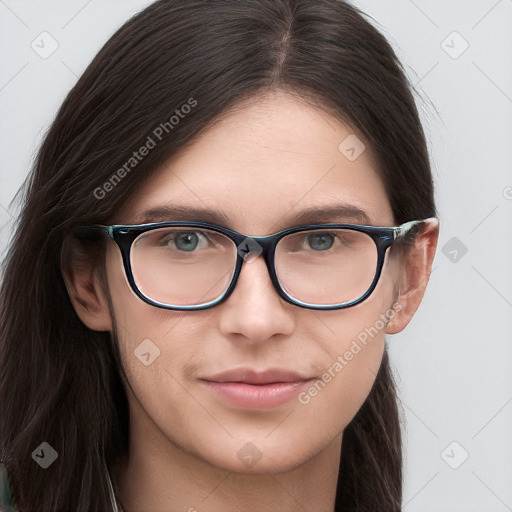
(248, 388)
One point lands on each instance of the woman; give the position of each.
(233, 206)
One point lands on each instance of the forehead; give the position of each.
(262, 166)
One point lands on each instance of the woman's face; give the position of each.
(261, 167)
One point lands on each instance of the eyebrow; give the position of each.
(336, 212)
(340, 212)
(175, 212)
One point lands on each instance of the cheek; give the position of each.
(350, 366)
(352, 345)
(156, 346)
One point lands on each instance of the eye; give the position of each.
(186, 240)
(320, 241)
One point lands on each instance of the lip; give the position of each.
(248, 388)
(250, 376)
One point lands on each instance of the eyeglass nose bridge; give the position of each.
(248, 250)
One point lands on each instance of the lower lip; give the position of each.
(257, 396)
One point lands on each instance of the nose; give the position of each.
(254, 310)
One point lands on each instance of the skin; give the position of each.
(261, 165)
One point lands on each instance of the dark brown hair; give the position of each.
(61, 382)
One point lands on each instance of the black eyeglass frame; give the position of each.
(383, 237)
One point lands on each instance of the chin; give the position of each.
(258, 458)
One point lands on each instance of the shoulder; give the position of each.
(6, 501)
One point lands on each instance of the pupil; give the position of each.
(187, 241)
(320, 242)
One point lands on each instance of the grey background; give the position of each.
(453, 361)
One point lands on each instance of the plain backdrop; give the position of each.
(453, 361)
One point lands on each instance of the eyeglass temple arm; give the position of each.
(96, 229)
(402, 230)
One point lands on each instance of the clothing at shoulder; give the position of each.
(7, 503)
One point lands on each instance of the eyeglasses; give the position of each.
(195, 265)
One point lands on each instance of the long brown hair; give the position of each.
(60, 382)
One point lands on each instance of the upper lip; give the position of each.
(250, 376)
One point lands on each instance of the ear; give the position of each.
(86, 289)
(416, 272)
